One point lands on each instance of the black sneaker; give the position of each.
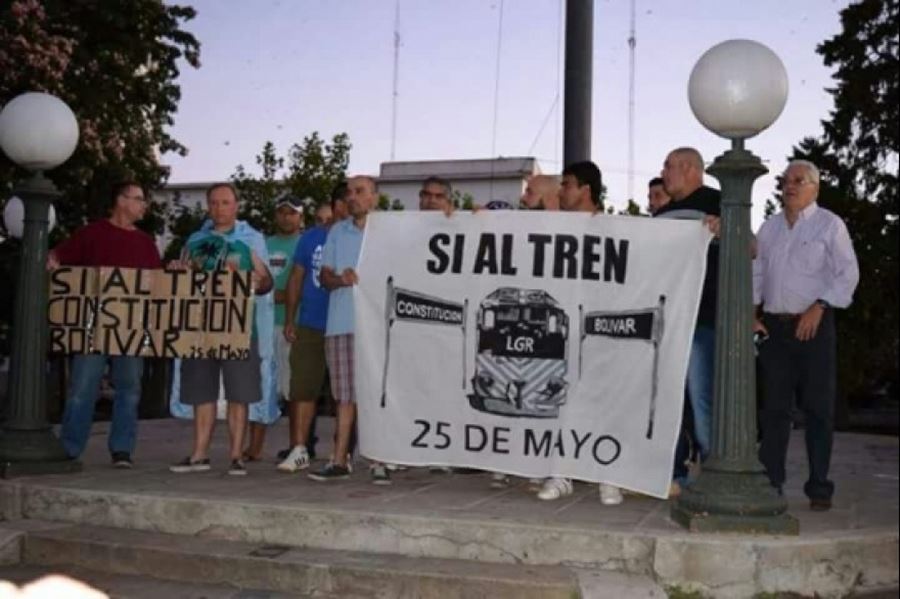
(188, 465)
(330, 472)
(237, 468)
(122, 460)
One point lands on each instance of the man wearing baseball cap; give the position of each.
(289, 224)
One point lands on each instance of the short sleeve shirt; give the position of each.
(313, 312)
(281, 259)
(210, 250)
(102, 243)
(341, 251)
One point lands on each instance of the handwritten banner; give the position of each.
(151, 313)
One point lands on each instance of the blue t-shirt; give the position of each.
(341, 251)
(313, 312)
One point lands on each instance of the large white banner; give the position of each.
(531, 343)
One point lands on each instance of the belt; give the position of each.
(784, 316)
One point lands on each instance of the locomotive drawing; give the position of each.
(521, 360)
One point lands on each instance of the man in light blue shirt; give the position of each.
(338, 275)
(804, 268)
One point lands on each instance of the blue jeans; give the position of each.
(700, 385)
(84, 388)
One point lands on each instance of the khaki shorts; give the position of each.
(307, 364)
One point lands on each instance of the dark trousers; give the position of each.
(790, 367)
(686, 446)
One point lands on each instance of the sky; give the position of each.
(279, 70)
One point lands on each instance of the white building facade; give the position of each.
(483, 179)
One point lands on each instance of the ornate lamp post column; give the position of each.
(38, 132)
(737, 89)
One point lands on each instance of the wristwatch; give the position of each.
(825, 305)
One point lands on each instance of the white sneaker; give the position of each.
(499, 480)
(610, 495)
(380, 474)
(297, 459)
(554, 488)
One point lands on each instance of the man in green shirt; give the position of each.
(288, 227)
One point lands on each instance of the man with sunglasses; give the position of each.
(112, 241)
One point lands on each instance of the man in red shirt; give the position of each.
(113, 241)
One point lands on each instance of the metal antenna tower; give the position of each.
(395, 92)
(632, 42)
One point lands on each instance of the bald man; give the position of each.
(682, 176)
(541, 193)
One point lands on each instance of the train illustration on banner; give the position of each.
(521, 361)
(522, 345)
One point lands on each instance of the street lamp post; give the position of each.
(38, 132)
(737, 89)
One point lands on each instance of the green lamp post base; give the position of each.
(28, 452)
(733, 502)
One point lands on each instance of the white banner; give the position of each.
(533, 343)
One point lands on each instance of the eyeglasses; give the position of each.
(795, 181)
(427, 195)
(136, 198)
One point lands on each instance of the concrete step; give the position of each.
(285, 569)
(127, 586)
(357, 517)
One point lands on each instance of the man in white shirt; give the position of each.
(804, 268)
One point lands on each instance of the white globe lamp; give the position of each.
(738, 88)
(38, 131)
(14, 217)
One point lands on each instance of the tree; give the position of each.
(463, 201)
(116, 65)
(310, 170)
(259, 194)
(630, 209)
(386, 203)
(314, 167)
(857, 154)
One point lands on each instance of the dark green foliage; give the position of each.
(115, 64)
(386, 203)
(463, 201)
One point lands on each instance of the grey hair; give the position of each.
(691, 155)
(812, 171)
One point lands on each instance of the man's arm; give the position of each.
(68, 251)
(844, 267)
(756, 253)
(262, 280)
(331, 280)
(293, 293)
